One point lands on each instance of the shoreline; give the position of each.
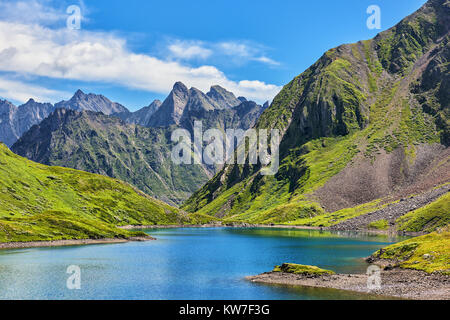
(75, 242)
(275, 226)
(71, 242)
(395, 283)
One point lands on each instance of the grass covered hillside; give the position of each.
(38, 202)
(366, 125)
(427, 219)
(430, 253)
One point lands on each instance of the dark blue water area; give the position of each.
(187, 263)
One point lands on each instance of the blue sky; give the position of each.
(132, 51)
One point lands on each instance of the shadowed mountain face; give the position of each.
(103, 144)
(223, 98)
(367, 121)
(14, 121)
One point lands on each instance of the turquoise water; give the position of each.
(194, 263)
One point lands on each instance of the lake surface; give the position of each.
(186, 263)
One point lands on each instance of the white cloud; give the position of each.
(189, 50)
(89, 56)
(246, 51)
(236, 49)
(267, 60)
(238, 52)
(22, 92)
(31, 12)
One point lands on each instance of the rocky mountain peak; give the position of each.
(78, 94)
(223, 97)
(6, 104)
(179, 87)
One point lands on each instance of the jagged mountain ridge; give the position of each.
(182, 104)
(14, 121)
(363, 123)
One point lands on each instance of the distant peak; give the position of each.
(218, 88)
(79, 93)
(5, 102)
(179, 86)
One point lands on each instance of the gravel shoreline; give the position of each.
(61, 243)
(398, 283)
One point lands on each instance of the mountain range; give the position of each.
(15, 121)
(118, 145)
(182, 105)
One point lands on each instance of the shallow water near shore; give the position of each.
(187, 263)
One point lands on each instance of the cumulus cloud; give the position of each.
(189, 50)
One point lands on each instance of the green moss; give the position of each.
(373, 63)
(403, 44)
(430, 253)
(427, 219)
(199, 218)
(379, 225)
(302, 269)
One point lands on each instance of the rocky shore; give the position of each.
(398, 283)
(73, 242)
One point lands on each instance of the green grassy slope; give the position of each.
(427, 219)
(38, 202)
(430, 253)
(357, 104)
